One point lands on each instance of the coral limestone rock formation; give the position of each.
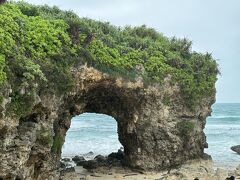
(154, 135)
(49, 77)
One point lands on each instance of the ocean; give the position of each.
(223, 131)
(97, 133)
(91, 132)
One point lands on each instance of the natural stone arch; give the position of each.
(150, 129)
(154, 125)
(105, 98)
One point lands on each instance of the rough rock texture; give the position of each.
(68, 174)
(156, 128)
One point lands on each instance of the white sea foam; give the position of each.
(91, 132)
(223, 131)
(98, 133)
(223, 116)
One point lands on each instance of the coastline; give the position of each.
(201, 169)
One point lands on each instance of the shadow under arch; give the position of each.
(102, 98)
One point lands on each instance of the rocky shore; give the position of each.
(51, 69)
(154, 134)
(91, 162)
(197, 169)
(112, 167)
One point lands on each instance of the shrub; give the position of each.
(39, 44)
(20, 104)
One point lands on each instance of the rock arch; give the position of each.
(154, 125)
(104, 98)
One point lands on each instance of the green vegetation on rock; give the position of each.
(57, 143)
(39, 45)
(185, 128)
(166, 100)
(44, 136)
(21, 105)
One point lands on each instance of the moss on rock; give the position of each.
(57, 143)
(185, 128)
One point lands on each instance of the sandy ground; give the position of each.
(201, 169)
(85, 175)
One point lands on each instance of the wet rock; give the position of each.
(236, 149)
(81, 163)
(91, 164)
(100, 159)
(66, 159)
(116, 158)
(78, 160)
(62, 165)
(119, 155)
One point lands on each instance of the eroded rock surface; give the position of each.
(156, 128)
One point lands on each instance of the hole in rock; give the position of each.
(91, 134)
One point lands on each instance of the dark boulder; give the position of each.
(230, 178)
(62, 165)
(91, 164)
(66, 159)
(81, 163)
(119, 155)
(236, 149)
(78, 159)
(100, 159)
(116, 158)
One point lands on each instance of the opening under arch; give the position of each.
(107, 99)
(91, 134)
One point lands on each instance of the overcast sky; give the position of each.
(212, 25)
